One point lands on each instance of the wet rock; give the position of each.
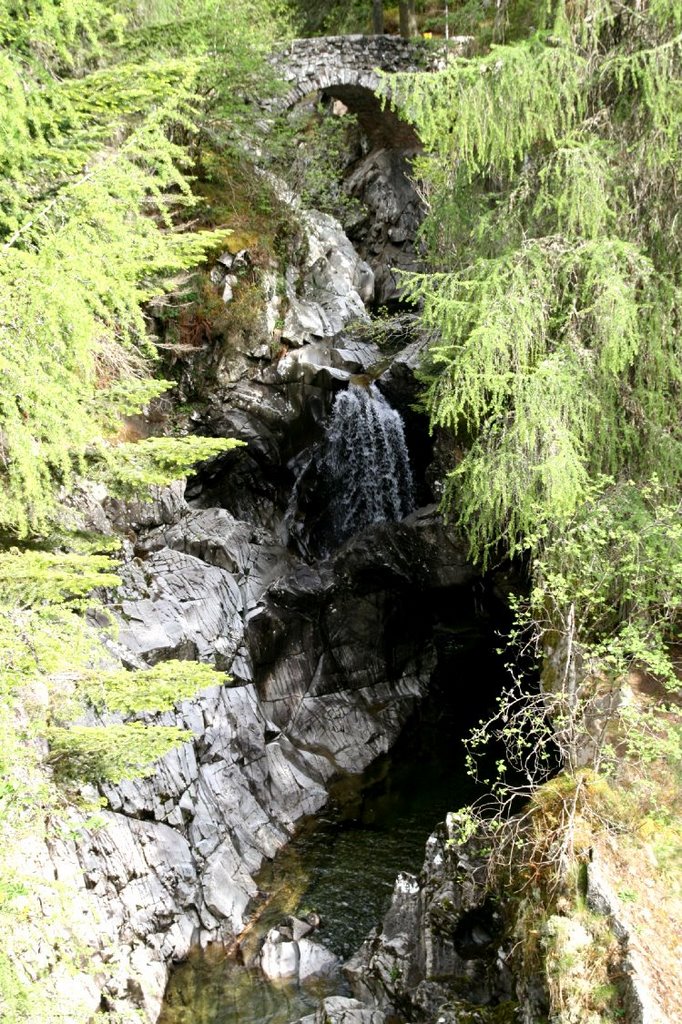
(439, 940)
(417, 552)
(279, 958)
(398, 382)
(315, 960)
(323, 363)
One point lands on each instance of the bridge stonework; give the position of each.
(330, 62)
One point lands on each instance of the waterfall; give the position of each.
(365, 464)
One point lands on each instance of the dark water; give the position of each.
(344, 864)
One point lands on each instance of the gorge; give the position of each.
(405, 473)
(300, 565)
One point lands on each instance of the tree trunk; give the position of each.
(408, 18)
(378, 17)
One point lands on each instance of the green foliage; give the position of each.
(118, 752)
(550, 167)
(337, 17)
(582, 956)
(320, 142)
(132, 468)
(53, 664)
(487, 112)
(154, 689)
(29, 578)
(102, 106)
(618, 564)
(552, 174)
(97, 114)
(231, 38)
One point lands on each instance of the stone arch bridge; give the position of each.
(346, 68)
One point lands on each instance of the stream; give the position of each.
(343, 863)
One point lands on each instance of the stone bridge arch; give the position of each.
(346, 68)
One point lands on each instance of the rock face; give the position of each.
(439, 946)
(386, 237)
(331, 288)
(324, 675)
(651, 994)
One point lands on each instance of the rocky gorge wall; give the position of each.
(327, 653)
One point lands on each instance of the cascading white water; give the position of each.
(366, 463)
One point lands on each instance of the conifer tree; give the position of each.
(96, 114)
(101, 107)
(551, 170)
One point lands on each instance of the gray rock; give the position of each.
(287, 953)
(330, 289)
(430, 950)
(342, 1010)
(252, 556)
(602, 899)
(280, 957)
(300, 929)
(166, 505)
(382, 183)
(315, 960)
(178, 607)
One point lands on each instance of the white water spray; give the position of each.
(366, 463)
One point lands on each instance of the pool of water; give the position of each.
(343, 864)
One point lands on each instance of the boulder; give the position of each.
(279, 957)
(289, 953)
(315, 960)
